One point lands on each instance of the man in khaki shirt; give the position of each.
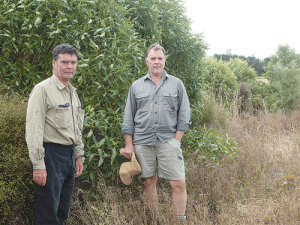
(54, 125)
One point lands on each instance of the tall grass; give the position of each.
(260, 186)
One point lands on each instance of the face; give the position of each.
(64, 67)
(156, 62)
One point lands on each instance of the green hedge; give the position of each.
(112, 37)
(16, 187)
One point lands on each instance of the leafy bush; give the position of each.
(213, 114)
(220, 80)
(241, 70)
(16, 187)
(207, 143)
(112, 38)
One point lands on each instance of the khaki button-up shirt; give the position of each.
(153, 112)
(54, 115)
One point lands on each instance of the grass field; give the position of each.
(260, 186)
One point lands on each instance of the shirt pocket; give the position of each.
(143, 102)
(62, 117)
(80, 117)
(169, 101)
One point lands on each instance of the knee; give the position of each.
(150, 181)
(178, 185)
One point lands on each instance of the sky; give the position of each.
(248, 28)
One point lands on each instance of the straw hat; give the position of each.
(129, 169)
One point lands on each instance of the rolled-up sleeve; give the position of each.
(129, 113)
(184, 111)
(35, 123)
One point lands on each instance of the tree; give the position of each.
(220, 80)
(241, 70)
(112, 37)
(252, 61)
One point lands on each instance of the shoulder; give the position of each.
(44, 83)
(174, 80)
(139, 81)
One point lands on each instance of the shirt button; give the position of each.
(155, 122)
(155, 112)
(155, 102)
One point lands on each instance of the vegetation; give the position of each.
(16, 187)
(112, 38)
(253, 62)
(283, 72)
(260, 186)
(233, 175)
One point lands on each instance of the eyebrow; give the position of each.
(66, 61)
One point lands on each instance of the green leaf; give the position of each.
(37, 21)
(113, 156)
(90, 133)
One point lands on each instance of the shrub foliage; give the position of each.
(112, 38)
(16, 187)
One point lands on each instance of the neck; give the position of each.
(156, 78)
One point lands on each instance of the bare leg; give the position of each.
(179, 196)
(150, 190)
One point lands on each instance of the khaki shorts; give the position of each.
(165, 158)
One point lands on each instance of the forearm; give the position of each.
(128, 140)
(129, 147)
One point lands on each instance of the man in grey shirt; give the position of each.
(156, 115)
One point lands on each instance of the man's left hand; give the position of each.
(179, 134)
(78, 166)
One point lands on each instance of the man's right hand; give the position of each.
(129, 147)
(39, 177)
(128, 151)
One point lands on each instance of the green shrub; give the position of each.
(220, 80)
(112, 38)
(16, 187)
(208, 144)
(213, 114)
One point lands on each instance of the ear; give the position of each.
(53, 62)
(146, 60)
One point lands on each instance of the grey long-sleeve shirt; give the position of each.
(153, 112)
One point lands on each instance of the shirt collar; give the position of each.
(164, 75)
(59, 84)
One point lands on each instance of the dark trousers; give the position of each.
(53, 201)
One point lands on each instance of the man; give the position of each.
(53, 133)
(156, 115)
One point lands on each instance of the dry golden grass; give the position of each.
(261, 186)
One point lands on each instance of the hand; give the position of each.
(128, 151)
(78, 166)
(129, 147)
(40, 177)
(179, 134)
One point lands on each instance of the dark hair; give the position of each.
(156, 47)
(62, 49)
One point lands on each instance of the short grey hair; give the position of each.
(62, 49)
(156, 47)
